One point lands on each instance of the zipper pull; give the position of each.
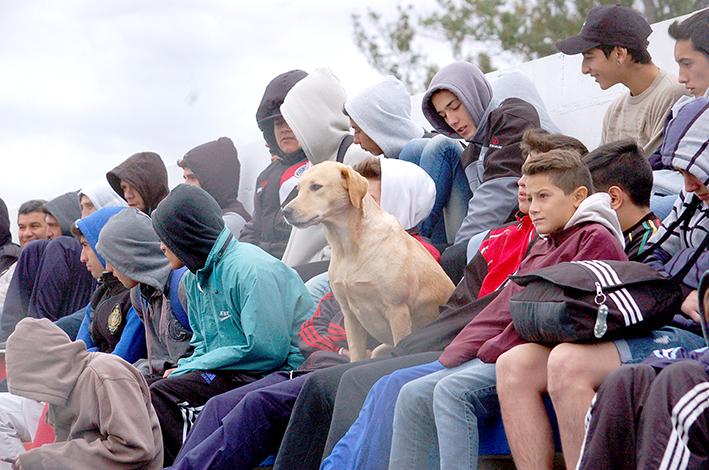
(601, 326)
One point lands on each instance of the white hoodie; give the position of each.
(597, 208)
(313, 110)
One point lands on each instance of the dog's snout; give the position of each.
(287, 211)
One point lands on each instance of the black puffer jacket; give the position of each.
(268, 229)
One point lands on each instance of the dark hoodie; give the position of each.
(146, 172)
(99, 405)
(270, 106)
(66, 210)
(9, 252)
(216, 165)
(268, 229)
(189, 222)
(50, 281)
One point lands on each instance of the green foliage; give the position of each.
(527, 28)
(389, 47)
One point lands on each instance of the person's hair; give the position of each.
(541, 141)
(565, 169)
(75, 230)
(623, 164)
(694, 28)
(370, 168)
(639, 56)
(182, 163)
(34, 205)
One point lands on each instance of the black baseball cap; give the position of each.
(612, 25)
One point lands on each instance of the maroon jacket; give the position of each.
(491, 332)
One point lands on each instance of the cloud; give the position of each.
(87, 84)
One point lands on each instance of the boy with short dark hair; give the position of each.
(621, 170)
(576, 227)
(613, 41)
(692, 52)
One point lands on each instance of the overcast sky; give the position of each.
(86, 83)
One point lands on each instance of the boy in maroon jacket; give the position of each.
(443, 404)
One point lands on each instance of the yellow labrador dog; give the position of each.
(386, 282)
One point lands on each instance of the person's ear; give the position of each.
(619, 54)
(579, 195)
(617, 197)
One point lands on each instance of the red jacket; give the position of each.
(503, 249)
(491, 332)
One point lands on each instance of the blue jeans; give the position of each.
(440, 157)
(436, 417)
(366, 445)
(661, 206)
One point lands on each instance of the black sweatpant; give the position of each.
(645, 420)
(179, 399)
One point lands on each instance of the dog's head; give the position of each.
(324, 191)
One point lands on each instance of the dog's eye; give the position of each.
(315, 187)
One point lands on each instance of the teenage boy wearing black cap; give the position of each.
(613, 41)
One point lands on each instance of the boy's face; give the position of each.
(284, 136)
(132, 197)
(89, 258)
(175, 262)
(549, 208)
(364, 141)
(190, 177)
(451, 109)
(604, 69)
(522, 201)
(693, 67)
(53, 228)
(127, 282)
(693, 185)
(87, 207)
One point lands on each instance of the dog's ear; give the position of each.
(356, 184)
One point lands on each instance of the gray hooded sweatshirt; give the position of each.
(129, 243)
(383, 112)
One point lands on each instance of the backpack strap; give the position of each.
(684, 217)
(177, 308)
(344, 145)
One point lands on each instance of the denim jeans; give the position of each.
(436, 417)
(440, 157)
(366, 445)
